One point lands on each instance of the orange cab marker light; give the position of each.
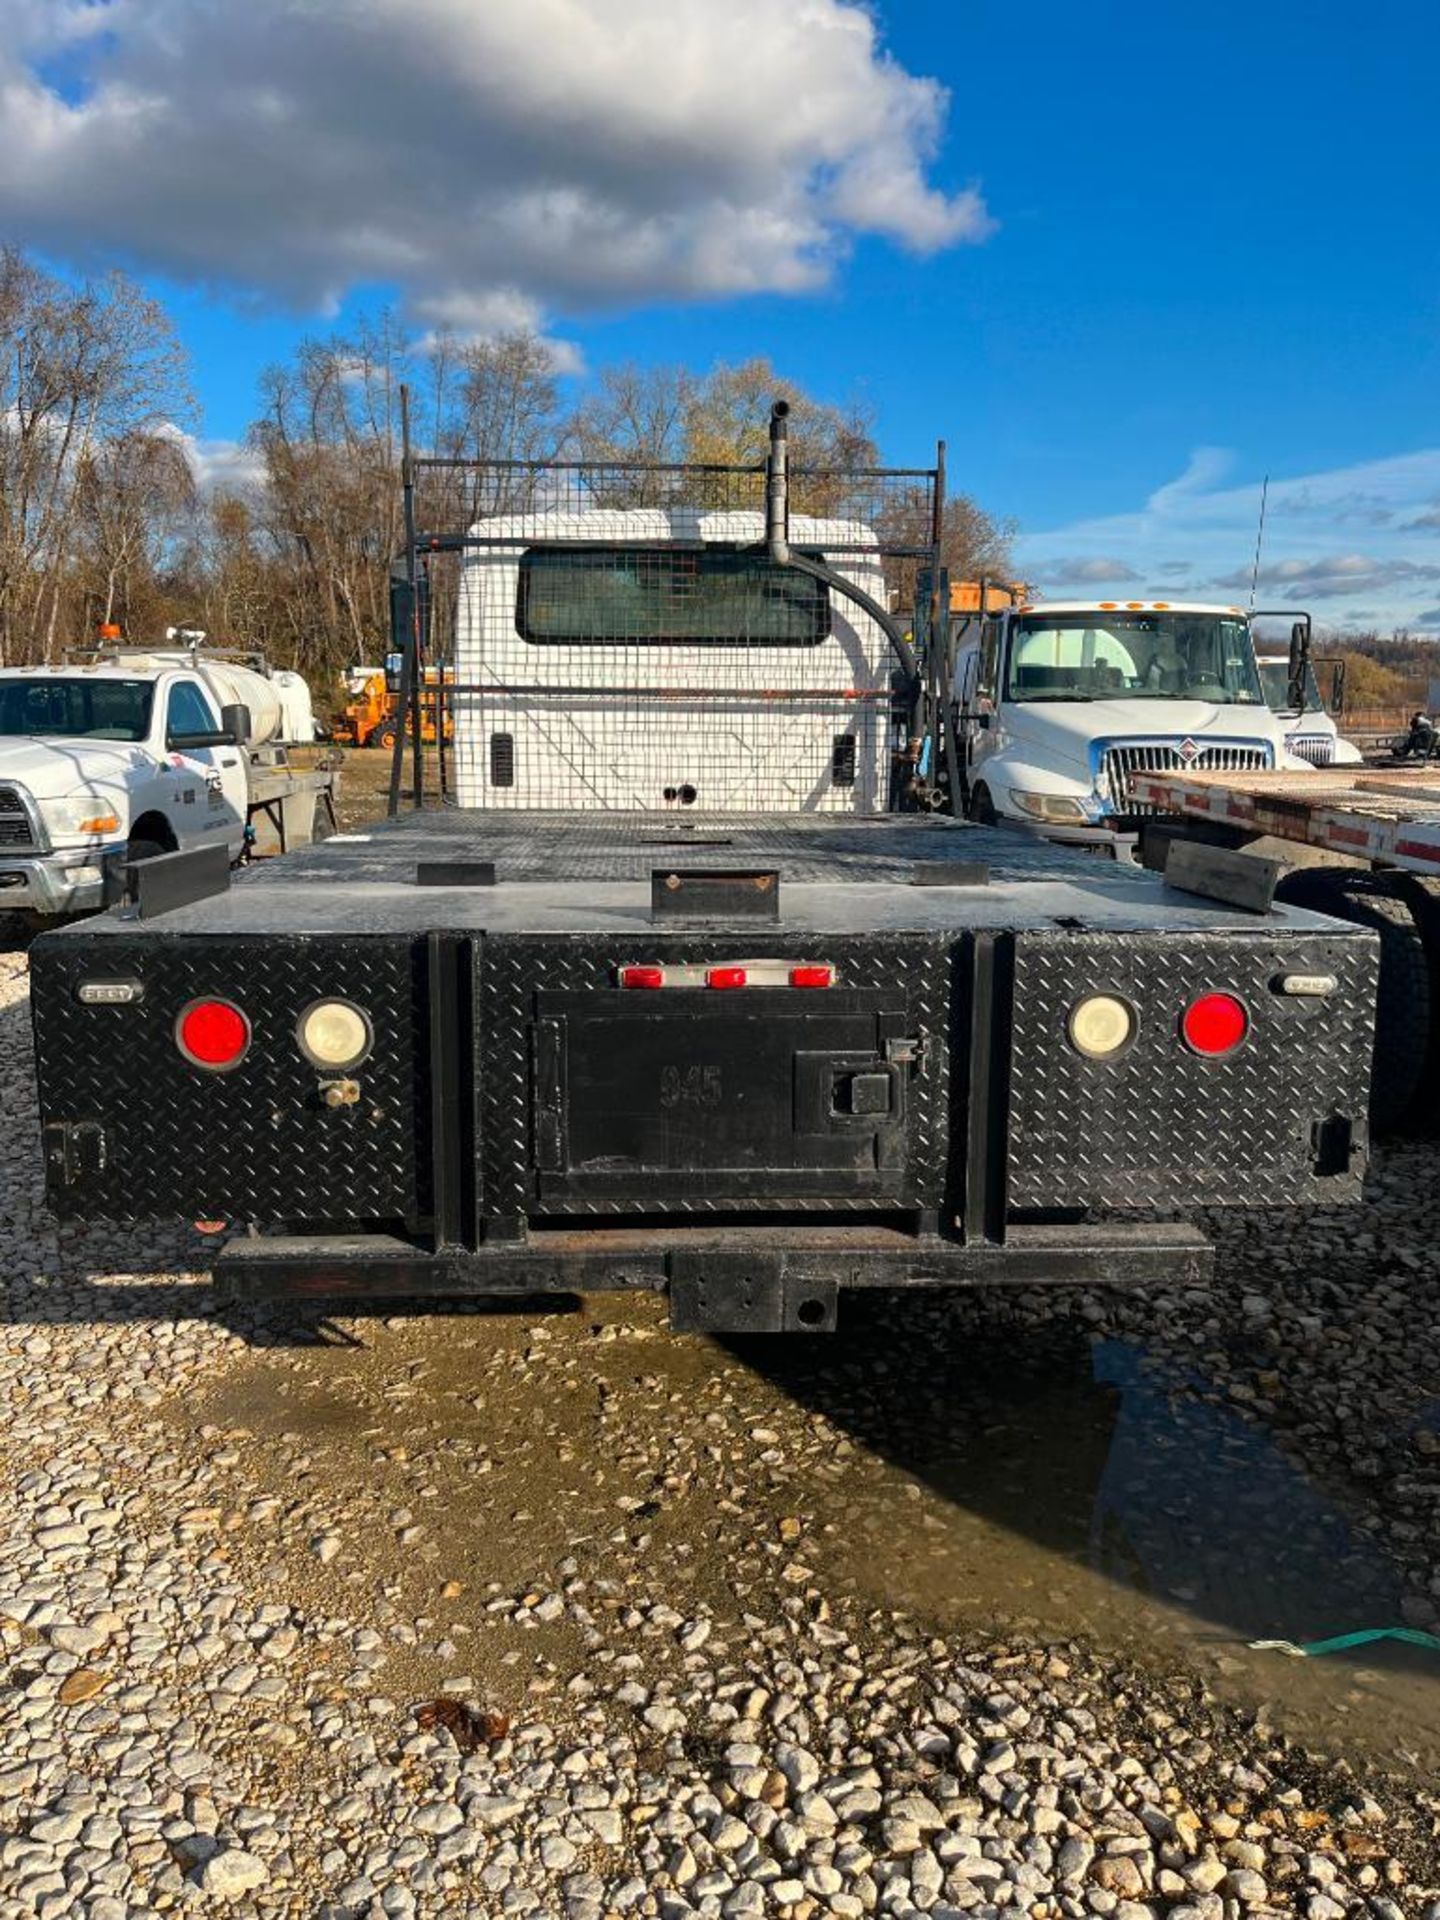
(812, 976)
(1108, 606)
(642, 976)
(726, 977)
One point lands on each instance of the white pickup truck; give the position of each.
(142, 754)
(1058, 703)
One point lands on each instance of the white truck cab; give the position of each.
(1058, 703)
(140, 753)
(656, 658)
(100, 764)
(1310, 729)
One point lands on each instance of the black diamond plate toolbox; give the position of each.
(598, 1100)
(134, 1132)
(1280, 1121)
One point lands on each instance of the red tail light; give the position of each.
(1216, 1023)
(213, 1034)
(726, 977)
(642, 976)
(812, 976)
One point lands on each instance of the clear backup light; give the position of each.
(334, 1034)
(1101, 1025)
(212, 1034)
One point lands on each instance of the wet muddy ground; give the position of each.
(970, 1467)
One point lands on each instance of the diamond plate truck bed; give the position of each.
(524, 1121)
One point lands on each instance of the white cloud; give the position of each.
(1310, 552)
(219, 466)
(1080, 569)
(487, 316)
(511, 156)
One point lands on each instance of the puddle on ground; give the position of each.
(976, 1473)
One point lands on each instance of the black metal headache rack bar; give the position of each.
(660, 582)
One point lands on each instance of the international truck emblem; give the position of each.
(1189, 751)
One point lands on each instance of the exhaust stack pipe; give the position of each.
(777, 486)
(777, 546)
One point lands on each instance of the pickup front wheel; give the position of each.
(982, 807)
(136, 850)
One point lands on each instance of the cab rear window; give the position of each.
(710, 596)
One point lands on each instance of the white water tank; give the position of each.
(235, 686)
(281, 710)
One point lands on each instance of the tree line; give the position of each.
(103, 518)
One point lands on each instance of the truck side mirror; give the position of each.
(236, 722)
(1299, 663)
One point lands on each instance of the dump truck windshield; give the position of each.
(710, 596)
(1090, 655)
(78, 709)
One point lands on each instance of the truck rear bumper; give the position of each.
(753, 1279)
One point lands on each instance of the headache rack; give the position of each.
(632, 600)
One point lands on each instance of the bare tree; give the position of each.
(493, 399)
(135, 503)
(81, 366)
(330, 441)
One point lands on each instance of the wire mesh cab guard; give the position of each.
(630, 634)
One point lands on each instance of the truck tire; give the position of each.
(982, 807)
(385, 737)
(1405, 1022)
(136, 850)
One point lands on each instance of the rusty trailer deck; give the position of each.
(1368, 814)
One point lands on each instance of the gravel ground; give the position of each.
(497, 1613)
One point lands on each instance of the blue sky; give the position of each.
(1208, 248)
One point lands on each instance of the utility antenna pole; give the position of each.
(1259, 541)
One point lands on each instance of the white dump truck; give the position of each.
(1059, 703)
(126, 755)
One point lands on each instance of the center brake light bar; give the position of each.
(732, 974)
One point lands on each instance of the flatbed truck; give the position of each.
(754, 1056)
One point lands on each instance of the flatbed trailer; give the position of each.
(1389, 818)
(696, 991)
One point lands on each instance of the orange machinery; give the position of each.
(372, 714)
(965, 595)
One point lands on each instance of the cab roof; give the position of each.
(137, 670)
(1129, 606)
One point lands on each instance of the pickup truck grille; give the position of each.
(15, 830)
(1164, 756)
(1317, 748)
